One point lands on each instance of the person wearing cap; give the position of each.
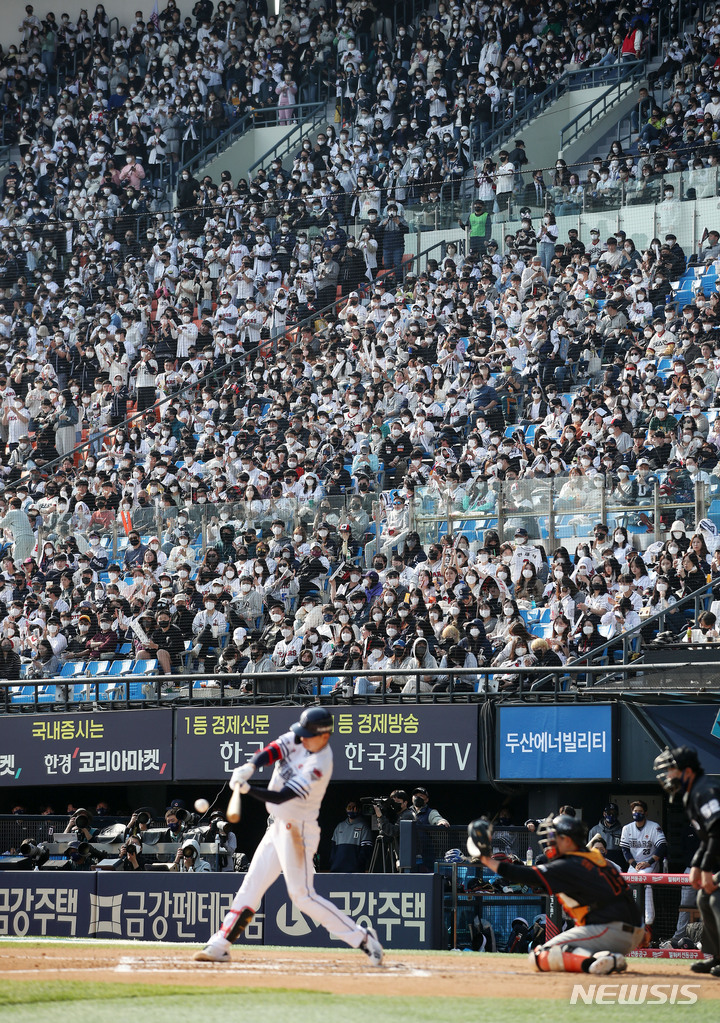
(523, 551)
(423, 813)
(209, 625)
(609, 829)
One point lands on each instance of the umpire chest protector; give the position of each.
(702, 805)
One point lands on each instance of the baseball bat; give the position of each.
(233, 810)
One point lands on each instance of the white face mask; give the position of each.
(662, 587)
(673, 548)
(527, 574)
(521, 651)
(485, 613)
(588, 630)
(508, 612)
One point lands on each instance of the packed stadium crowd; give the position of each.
(252, 462)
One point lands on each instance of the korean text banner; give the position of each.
(404, 909)
(370, 743)
(555, 743)
(39, 904)
(56, 749)
(161, 906)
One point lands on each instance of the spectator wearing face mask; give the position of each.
(352, 843)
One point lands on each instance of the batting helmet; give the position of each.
(551, 827)
(313, 721)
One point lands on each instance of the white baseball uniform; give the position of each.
(642, 843)
(291, 841)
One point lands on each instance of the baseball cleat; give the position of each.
(213, 954)
(607, 962)
(705, 965)
(372, 947)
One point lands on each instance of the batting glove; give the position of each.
(242, 774)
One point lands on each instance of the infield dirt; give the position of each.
(408, 974)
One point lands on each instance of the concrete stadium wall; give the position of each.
(243, 153)
(542, 136)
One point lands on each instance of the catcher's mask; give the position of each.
(551, 827)
(479, 832)
(677, 759)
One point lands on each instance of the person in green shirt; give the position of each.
(479, 223)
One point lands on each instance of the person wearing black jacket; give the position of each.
(590, 889)
(167, 643)
(131, 854)
(680, 773)
(394, 452)
(9, 662)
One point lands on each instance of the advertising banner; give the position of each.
(122, 746)
(391, 744)
(163, 906)
(34, 904)
(555, 743)
(404, 909)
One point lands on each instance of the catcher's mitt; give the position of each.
(479, 841)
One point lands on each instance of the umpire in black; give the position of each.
(679, 772)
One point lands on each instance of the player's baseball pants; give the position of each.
(709, 906)
(612, 937)
(288, 848)
(649, 897)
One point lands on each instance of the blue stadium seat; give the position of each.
(120, 667)
(72, 668)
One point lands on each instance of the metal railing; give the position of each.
(259, 117)
(603, 105)
(542, 506)
(286, 687)
(569, 81)
(303, 128)
(698, 599)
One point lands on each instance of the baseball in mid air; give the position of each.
(202, 805)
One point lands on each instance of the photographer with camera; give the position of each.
(188, 859)
(352, 842)
(221, 831)
(81, 856)
(139, 822)
(81, 824)
(131, 854)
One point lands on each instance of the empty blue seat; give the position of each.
(72, 668)
(144, 667)
(120, 667)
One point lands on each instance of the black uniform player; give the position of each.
(590, 889)
(679, 771)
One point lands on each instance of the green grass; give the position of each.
(28, 1002)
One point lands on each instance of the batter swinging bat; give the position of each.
(233, 810)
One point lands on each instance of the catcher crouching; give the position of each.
(590, 889)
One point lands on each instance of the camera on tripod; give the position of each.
(385, 804)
